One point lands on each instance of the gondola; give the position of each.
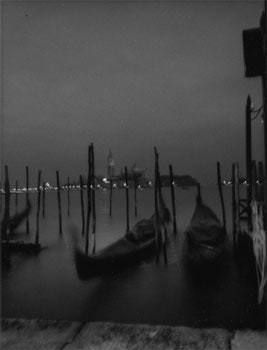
(135, 246)
(10, 225)
(205, 236)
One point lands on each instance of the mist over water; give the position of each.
(47, 285)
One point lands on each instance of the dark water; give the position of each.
(47, 285)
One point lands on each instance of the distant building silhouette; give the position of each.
(111, 165)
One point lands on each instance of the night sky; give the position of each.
(127, 76)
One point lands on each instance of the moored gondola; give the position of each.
(135, 246)
(205, 236)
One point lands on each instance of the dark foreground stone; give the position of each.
(20, 334)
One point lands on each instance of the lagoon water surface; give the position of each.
(47, 285)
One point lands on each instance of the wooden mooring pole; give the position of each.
(219, 180)
(5, 224)
(127, 199)
(93, 196)
(248, 161)
(82, 203)
(89, 201)
(173, 200)
(38, 208)
(156, 221)
(59, 204)
(27, 199)
(261, 181)
(235, 205)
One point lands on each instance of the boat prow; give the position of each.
(205, 236)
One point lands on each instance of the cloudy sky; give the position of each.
(129, 75)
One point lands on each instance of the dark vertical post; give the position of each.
(156, 205)
(59, 204)
(248, 159)
(135, 194)
(16, 197)
(43, 199)
(5, 224)
(263, 23)
(264, 93)
(89, 202)
(93, 196)
(234, 207)
(27, 198)
(127, 199)
(110, 196)
(82, 203)
(221, 194)
(261, 181)
(161, 220)
(254, 181)
(173, 200)
(38, 208)
(68, 196)
(237, 184)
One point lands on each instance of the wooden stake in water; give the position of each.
(221, 194)
(156, 205)
(261, 181)
(38, 208)
(93, 197)
(173, 200)
(43, 199)
(110, 196)
(5, 223)
(27, 199)
(127, 199)
(16, 197)
(162, 230)
(82, 203)
(89, 201)
(234, 206)
(59, 204)
(68, 195)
